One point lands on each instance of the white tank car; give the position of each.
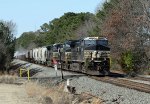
(39, 55)
(43, 55)
(35, 55)
(27, 54)
(31, 54)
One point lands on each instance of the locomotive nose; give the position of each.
(102, 48)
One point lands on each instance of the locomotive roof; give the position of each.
(49, 47)
(76, 41)
(94, 38)
(56, 44)
(53, 45)
(71, 41)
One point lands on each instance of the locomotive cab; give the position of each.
(56, 49)
(92, 55)
(53, 53)
(66, 53)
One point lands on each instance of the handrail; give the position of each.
(25, 68)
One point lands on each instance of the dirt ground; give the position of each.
(14, 94)
(22, 94)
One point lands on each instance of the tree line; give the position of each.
(7, 44)
(69, 26)
(126, 23)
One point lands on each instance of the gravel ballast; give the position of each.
(110, 94)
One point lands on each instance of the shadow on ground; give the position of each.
(32, 72)
(112, 74)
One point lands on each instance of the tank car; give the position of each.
(27, 55)
(43, 55)
(31, 55)
(39, 55)
(35, 55)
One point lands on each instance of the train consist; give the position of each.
(89, 55)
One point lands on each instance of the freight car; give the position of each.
(43, 55)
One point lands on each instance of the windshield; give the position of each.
(74, 44)
(102, 42)
(56, 47)
(90, 42)
(67, 46)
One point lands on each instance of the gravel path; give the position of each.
(110, 94)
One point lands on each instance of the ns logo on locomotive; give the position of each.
(89, 55)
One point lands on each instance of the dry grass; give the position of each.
(53, 95)
(8, 79)
(56, 95)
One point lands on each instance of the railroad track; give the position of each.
(123, 82)
(141, 78)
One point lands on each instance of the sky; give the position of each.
(29, 15)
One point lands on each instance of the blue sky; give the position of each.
(29, 15)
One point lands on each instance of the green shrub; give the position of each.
(135, 62)
(127, 61)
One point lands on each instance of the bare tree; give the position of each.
(87, 27)
(127, 27)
